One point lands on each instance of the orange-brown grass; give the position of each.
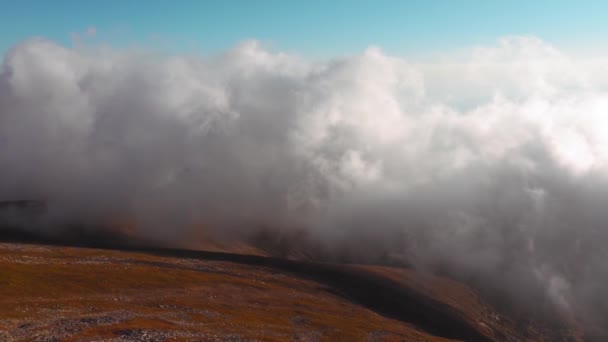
(81, 294)
(205, 299)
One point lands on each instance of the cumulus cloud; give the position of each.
(91, 31)
(493, 164)
(79, 37)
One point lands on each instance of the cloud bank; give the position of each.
(493, 164)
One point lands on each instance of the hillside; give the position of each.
(68, 293)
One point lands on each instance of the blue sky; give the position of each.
(308, 27)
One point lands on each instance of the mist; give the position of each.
(491, 164)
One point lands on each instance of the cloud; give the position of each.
(91, 31)
(493, 164)
(79, 37)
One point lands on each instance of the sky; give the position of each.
(311, 28)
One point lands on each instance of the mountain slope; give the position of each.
(83, 294)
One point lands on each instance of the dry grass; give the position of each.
(43, 288)
(83, 294)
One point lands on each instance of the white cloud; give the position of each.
(447, 152)
(91, 31)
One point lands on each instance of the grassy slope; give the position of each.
(82, 294)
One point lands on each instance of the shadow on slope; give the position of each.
(372, 291)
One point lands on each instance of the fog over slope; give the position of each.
(493, 163)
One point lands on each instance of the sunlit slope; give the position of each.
(82, 294)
